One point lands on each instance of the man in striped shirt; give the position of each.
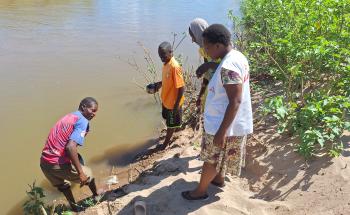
(59, 158)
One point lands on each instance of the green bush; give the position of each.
(304, 46)
(35, 203)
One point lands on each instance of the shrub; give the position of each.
(304, 46)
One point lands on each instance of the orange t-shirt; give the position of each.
(172, 79)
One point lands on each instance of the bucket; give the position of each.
(151, 88)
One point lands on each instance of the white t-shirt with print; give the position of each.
(235, 67)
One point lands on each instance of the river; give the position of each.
(54, 53)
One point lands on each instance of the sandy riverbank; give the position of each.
(276, 180)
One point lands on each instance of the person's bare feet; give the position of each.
(218, 181)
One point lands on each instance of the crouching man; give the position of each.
(59, 158)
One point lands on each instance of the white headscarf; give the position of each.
(197, 26)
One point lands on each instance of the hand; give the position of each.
(199, 102)
(158, 86)
(199, 72)
(83, 179)
(219, 139)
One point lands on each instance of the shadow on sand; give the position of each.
(279, 167)
(168, 200)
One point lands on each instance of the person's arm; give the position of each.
(205, 67)
(158, 85)
(205, 83)
(234, 94)
(180, 93)
(72, 151)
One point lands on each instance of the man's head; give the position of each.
(88, 107)
(216, 40)
(165, 52)
(197, 26)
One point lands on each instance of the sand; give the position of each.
(275, 180)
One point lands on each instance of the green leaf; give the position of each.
(281, 112)
(321, 141)
(347, 125)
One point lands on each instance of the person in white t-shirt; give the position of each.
(228, 113)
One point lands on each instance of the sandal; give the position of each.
(186, 195)
(221, 185)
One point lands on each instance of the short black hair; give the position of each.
(217, 33)
(166, 46)
(87, 102)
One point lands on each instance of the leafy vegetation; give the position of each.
(305, 47)
(35, 203)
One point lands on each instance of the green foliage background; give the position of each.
(304, 46)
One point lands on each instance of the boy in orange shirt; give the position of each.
(172, 94)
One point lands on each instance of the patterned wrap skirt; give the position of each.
(229, 159)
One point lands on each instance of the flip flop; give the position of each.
(140, 208)
(186, 195)
(221, 185)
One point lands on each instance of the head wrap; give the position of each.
(197, 26)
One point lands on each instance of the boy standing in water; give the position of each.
(172, 94)
(59, 158)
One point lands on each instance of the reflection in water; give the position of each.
(54, 53)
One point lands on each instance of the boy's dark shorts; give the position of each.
(173, 118)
